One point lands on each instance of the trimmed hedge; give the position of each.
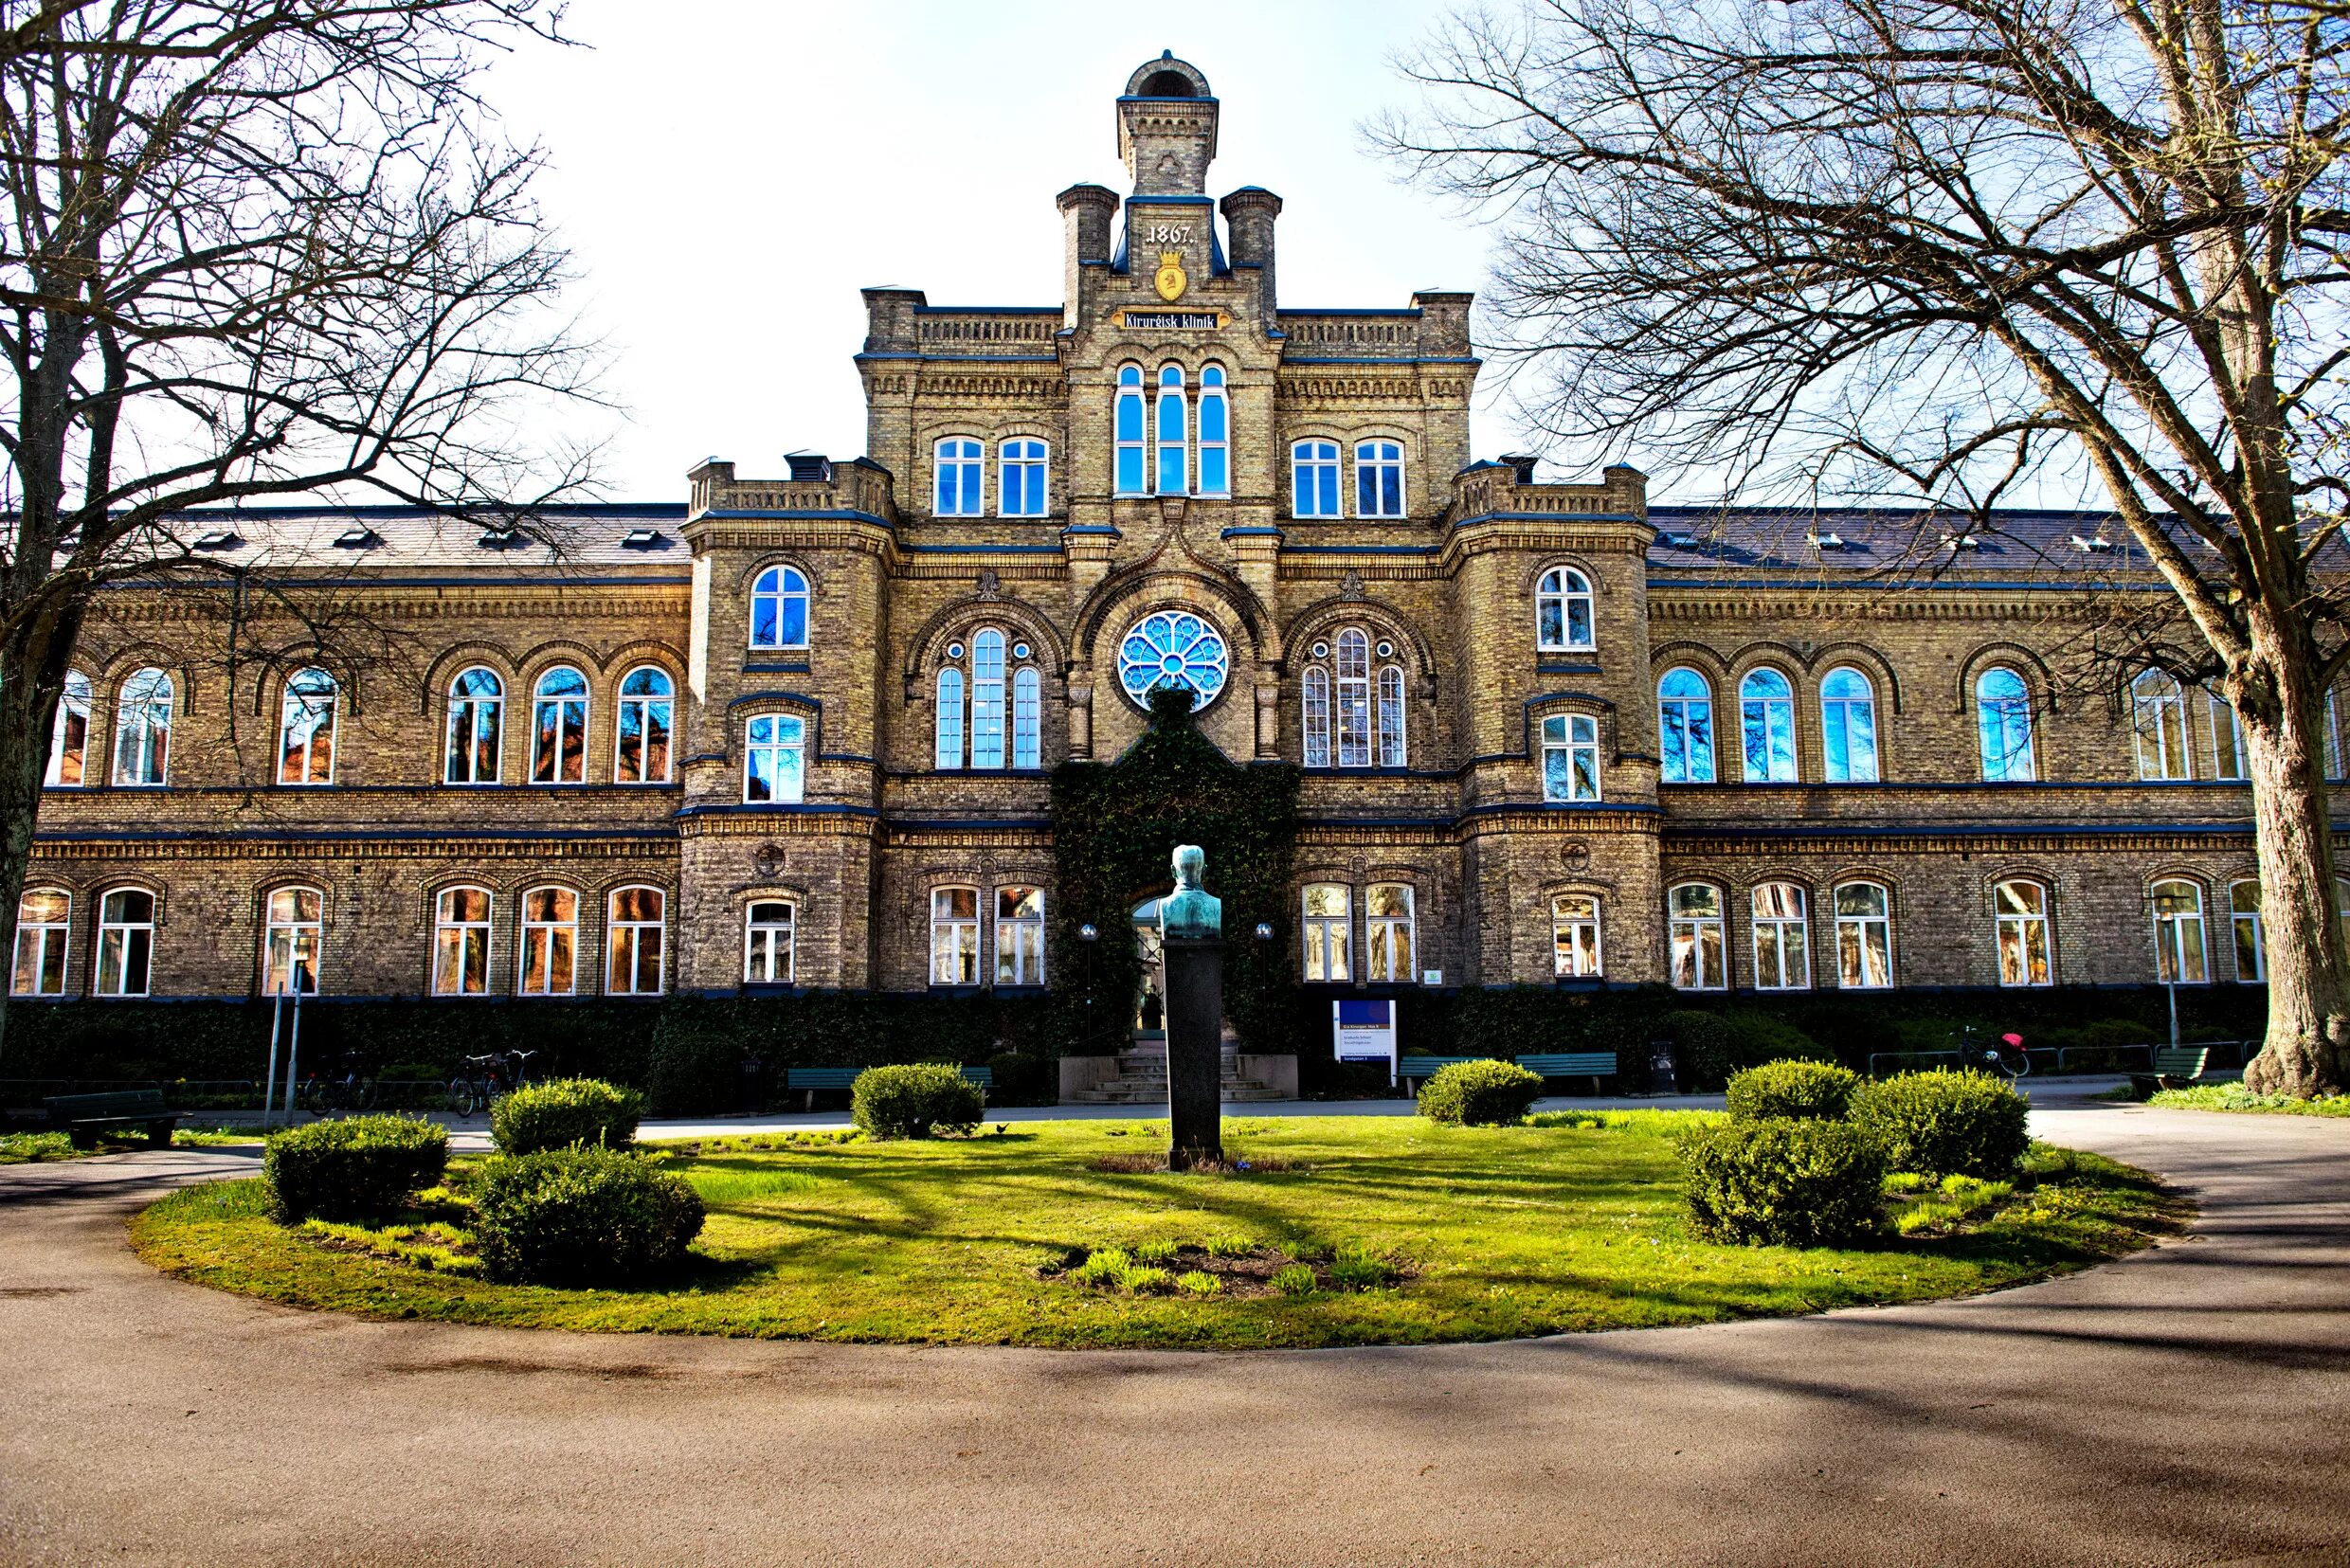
(1795, 1089)
(564, 1111)
(581, 1216)
(914, 1100)
(1943, 1122)
(357, 1167)
(1784, 1183)
(1480, 1093)
(1023, 1079)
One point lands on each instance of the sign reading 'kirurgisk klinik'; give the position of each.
(1178, 320)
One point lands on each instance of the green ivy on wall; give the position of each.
(1115, 826)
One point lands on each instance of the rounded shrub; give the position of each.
(1943, 1122)
(1801, 1090)
(582, 1215)
(564, 1111)
(357, 1167)
(914, 1101)
(1480, 1093)
(1783, 1181)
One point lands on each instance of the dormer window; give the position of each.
(357, 538)
(2091, 546)
(1961, 541)
(640, 538)
(499, 538)
(220, 538)
(1681, 541)
(1828, 541)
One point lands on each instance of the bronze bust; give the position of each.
(1191, 912)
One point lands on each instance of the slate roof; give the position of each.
(641, 537)
(1899, 544)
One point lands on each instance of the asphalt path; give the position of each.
(2190, 1404)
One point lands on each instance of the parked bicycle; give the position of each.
(487, 1079)
(347, 1088)
(2003, 1058)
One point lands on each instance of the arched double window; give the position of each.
(779, 608)
(1574, 935)
(1215, 433)
(647, 715)
(2178, 958)
(1130, 427)
(635, 933)
(1353, 718)
(306, 728)
(1171, 428)
(1313, 479)
(2003, 727)
(770, 930)
(43, 920)
(126, 942)
(1379, 478)
(143, 730)
(1021, 474)
(559, 728)
(1782, 945)
(1006, 706)
(1864, 933)
(2252, 946)
(1693, 931)
(1685, 726)
(1562, 610)
(1767, 722)
(292, 934)
(461, 942)
(2021, 914)
(962, 479)
(69, 739)
(550, 941)
(476, 714)
(1848, 726)
(774, 759)
(2159, 719)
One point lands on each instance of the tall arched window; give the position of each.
(1574, 935)
(1368, 710)
(769, 930)
(461, 942)
(290, 942)
(987, 698)
(1215, 434)
(559, 728)
(646, 716)
(306, 728)
(43, 920)
(1354, 698)
(634, 941)
(1005, 704)
(69, 740)
(774, 759)
(1694, 928)
(1328, 931)
(1313, 479)
(1020, 479)
(143, 730)
(1766, 716)
(1172, 432)
(2158, 717)
(1863, 932)
(961, 488)
(946, 721)
(1027, 717)
(779, 608)
(1562, 610)
(2003, 725)
(550, 941)
(1379, 478)
(1315, 705)
(954, 936)
(1848, 726)
(1782, 945)
(2178, 933)
(1685, 726)
(1019, 936)
(126, 942)
(2251, 949)
(477, 708)
(1129, 430)
(1390, 715)
(2020, 911)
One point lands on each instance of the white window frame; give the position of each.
(1170, 392)
(641, 706)
(1383, 962)
(1565, 590)
(1013, 455)
(1574, 950)
(1385, 456)
(1670, 733)
(458, 939)
(1837, 715)
(1130, 472)
(783, 738)
(119, 939)
(1027, 716)
(317, 710)
(1774, 713)
(1781, 942)
(961, 931)
(779, 587)
(2158, 727)
(990, 740)
(288, 936)
(1314, 704)
(765, 941)
(1019, 937)
(1575, 738)
(2026, 933)
(550, 754)
(1695, 933)
(2006, 712)
(1350, 657)
(1212, 390)
(968, 462)
(144, 714)
(2229, 759)
(69, 735)
(2250, 934)
(51, 941)
(627, 936)
(467, 713)
(1860, 928)
(545, 937)
(947, 711)
(2173, 930)
(1326, 939)
(1318, 457)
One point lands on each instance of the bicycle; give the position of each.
(493, 1076)
(2006, 1059)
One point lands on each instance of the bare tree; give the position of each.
(1950, 250)
(252, 249)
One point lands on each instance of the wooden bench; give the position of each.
(809, 1080)
(1594, 1064)
(2174, 1067)
(1414, 1071)
(82, 1117)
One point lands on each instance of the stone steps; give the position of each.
(1142, 1081)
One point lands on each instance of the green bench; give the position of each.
(82, 1117)
(1594, 1064)
(809, 1080)
(1414, 1071)
(2174, 1067)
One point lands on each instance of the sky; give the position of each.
(728, 175)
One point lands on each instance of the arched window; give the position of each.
(987, 698)
(1387, 933)
(1027, 717)
(1020, 479)
(1369, 711)
(1129, 430)
(1574, 935)
(946, 721)
(143, 730)
(306, 728)
(69, 740)
(2003, 725)
(550, 941)
(2178, 933)
(477, 708)
(1328, 931)
(779, 608)
(1782, 938)
(774, 759)
(2251, 950)
(1379, 478)
(768, 929)
(290, 942)
(646, 716)
(1173, 436)
(1315, 703)
(2159, 716)
(1863, 932)
(1693, 925)
(1390, 721)
(1848, 726)
(43, 920)
(634, 941)
(1685, 726)
(962, 491)
(1570, 757)
(1215, 434)
(1313, 479)
(126, 942)
(2020, 911)
(1562, 610)
(1019, 936)
(993, 700)
(954, 936)
(559, 728)
(1766, 715)
(461, 942)
(1354, 698)
(2228, 753)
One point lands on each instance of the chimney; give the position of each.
(1249, 214)
(889, 319)
(1086, 212)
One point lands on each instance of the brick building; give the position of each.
(798, 730)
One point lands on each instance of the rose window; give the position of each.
(1173, 648)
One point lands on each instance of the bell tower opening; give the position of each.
(1166, 128)
(1168, 84)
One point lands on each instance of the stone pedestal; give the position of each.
(1195, 1027)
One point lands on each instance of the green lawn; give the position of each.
(2236, 1097)
(1498, 1232)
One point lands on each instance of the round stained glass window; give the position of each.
(1172, 648)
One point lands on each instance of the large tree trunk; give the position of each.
(34, 666)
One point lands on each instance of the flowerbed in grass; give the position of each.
(2236, 1097)
(1374, 1229)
